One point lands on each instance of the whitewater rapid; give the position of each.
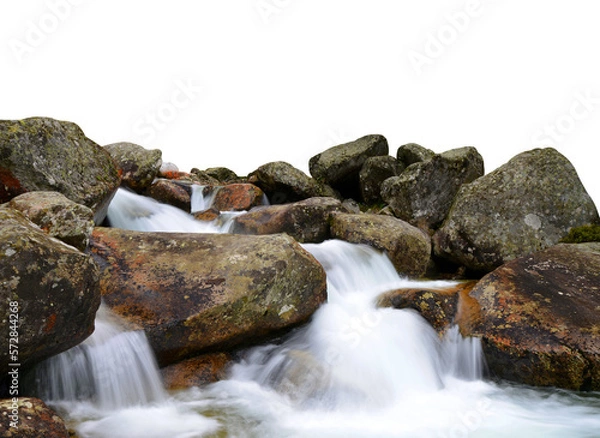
(354, 371)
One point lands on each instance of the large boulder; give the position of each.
(539, 318)
(54, 289)
(42, 154)
(58, 216)
(283, 183)
(27, 417)
(526, 205)
(423, 193)
(198, 292)
(408, 248)
(373, 173)
(306, 221)
(139, 166)
(340, 165)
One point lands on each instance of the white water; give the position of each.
(354, 371)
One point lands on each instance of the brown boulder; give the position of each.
(539, 318)
(171, 192)
(237, 197)
(197, 371)
(139, 166)
(198, 292)
(306, 221)
(438, 306)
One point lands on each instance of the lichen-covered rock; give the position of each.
(340, 165)
(283, 183)
(172, 192)
(27, 417)
(54, 287)
(306, 221)
(57, 215)
(438, 305)
(539, 318)
(139, 166)
(411, 153)
(237, 197)
(408, 248)
(526, 205)
(196, 371)
(222, 174)
(423, 193)
(373, 173)
(42, 154)
(198, 292)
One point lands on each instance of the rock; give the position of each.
(283, 183)
(373, 173)
(167, 170)
(526, 205)
(422, 195)
(539, 318)
(58, 216)
(237, 197)
(33, 419)
(438, 306)
(222, 174)
(172, 192)
(200, 177)
(408, 248)
(197, 371)
(55, 288)
(139, 166)
(411, 153)
(198, 292)
(340, 165)
(207, 215)
(42, 154)
(306, 221)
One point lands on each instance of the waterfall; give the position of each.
(354, 370)
(203, 197)
(113, 368)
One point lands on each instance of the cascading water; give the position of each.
(354, 371)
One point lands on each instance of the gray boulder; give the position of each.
(54, 287)
(283, 183)
(139, 166)
(58, 216)
(411, 153)
(408, 248)
(42, 154)
(340, 165)
(373, 173)
(423, 193)
(524, 206)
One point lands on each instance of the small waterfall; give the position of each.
(203, 197)
(113, 369)
(131, 211)
(349, 337)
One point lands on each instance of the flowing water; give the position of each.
(354, 371)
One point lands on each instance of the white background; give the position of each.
(271, 80)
